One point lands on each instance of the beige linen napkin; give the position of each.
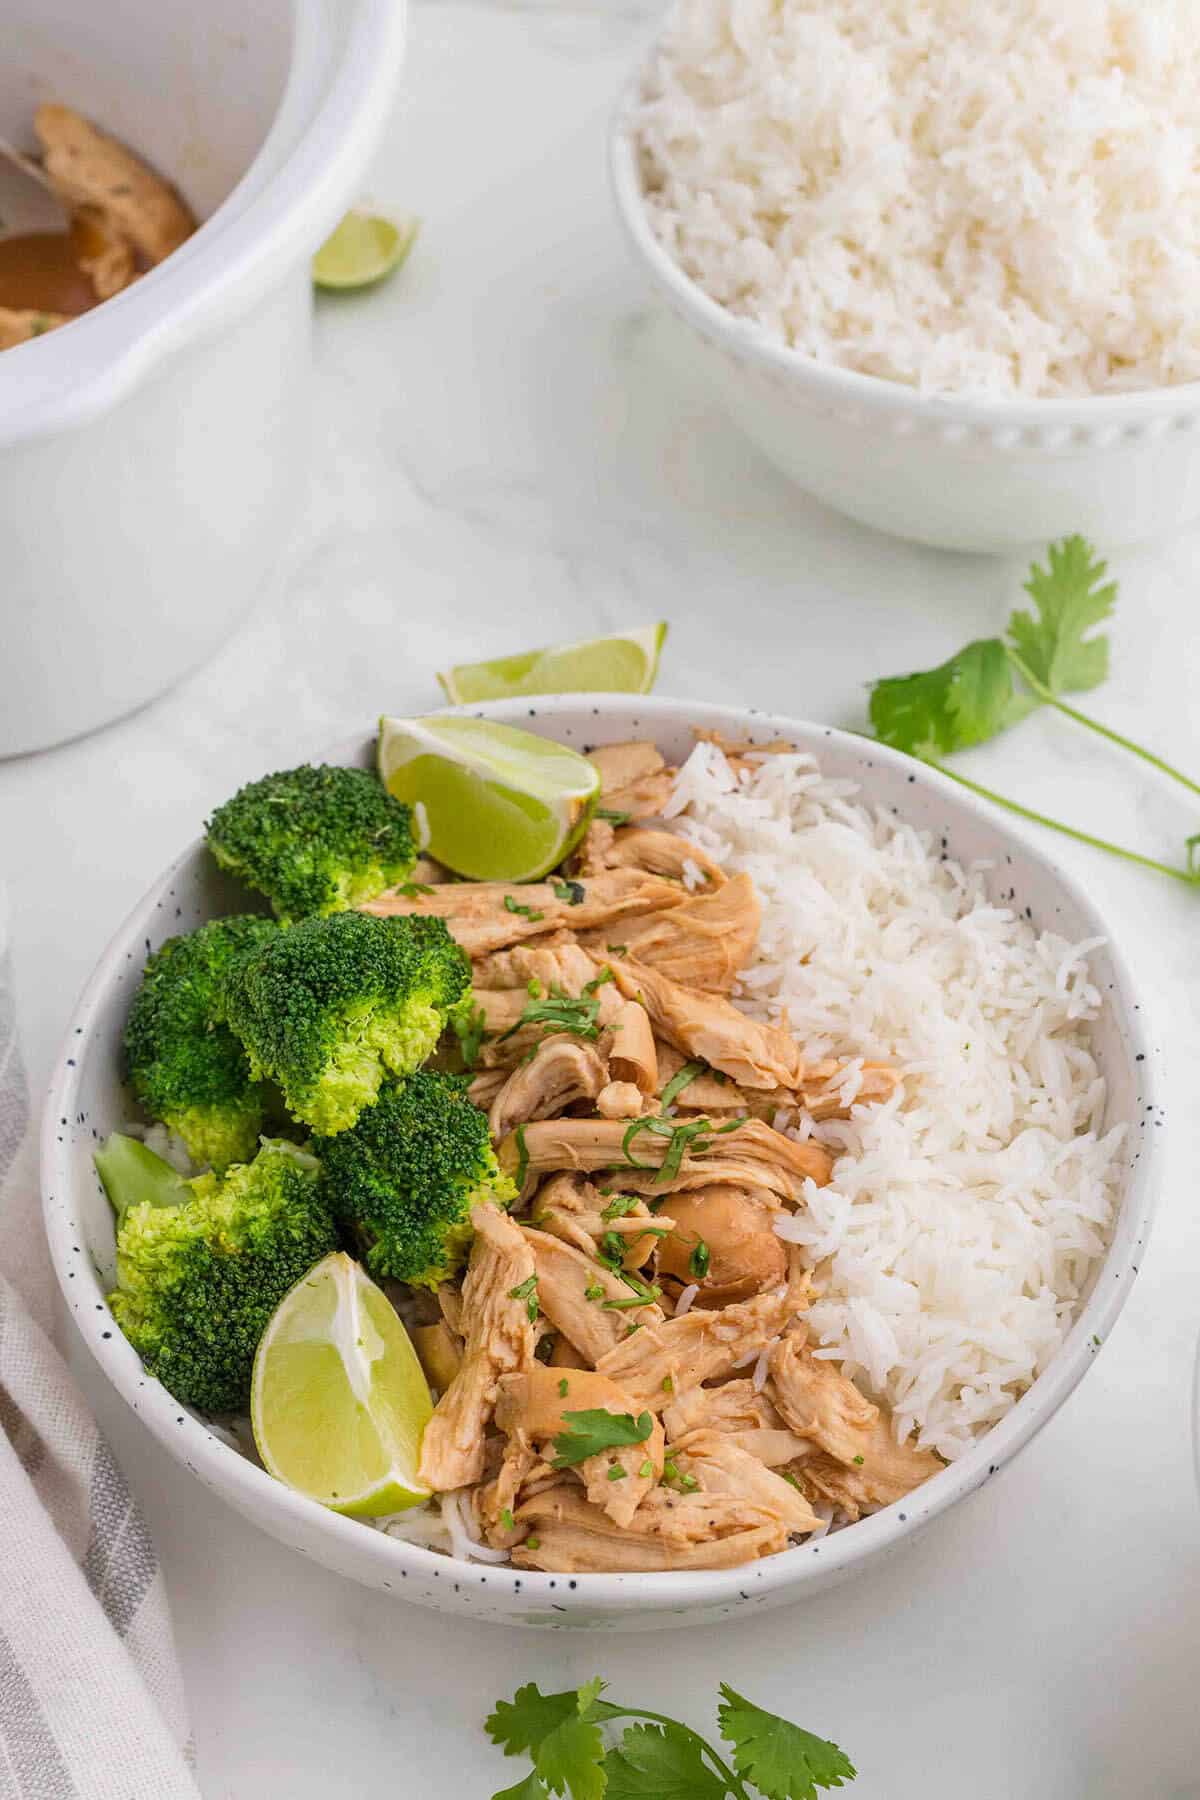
(91, 1701)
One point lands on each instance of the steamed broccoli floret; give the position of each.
(202, 1264)
(315, 840)
(403, 1182)
(185, 1066)
(327, 1007)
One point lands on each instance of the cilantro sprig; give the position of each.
(995, 682)
(657, 1757)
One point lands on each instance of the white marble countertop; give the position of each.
(504, 455)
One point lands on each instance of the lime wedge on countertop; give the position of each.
(365, 247)
(500, 804)
(339, 1402)
(624, 664)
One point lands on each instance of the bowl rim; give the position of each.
(377, 1555)
(851, 387)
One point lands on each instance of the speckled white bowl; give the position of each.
(87, 1100)
(962, 474)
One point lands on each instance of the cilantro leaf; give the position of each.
(1071, 597)
(653, 1762)
(594, 1430)
(570, 1759)
(785, 1762)
(522, 1722)
(981, 699)
(531, 1788)
(963, 701)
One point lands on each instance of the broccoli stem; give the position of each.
(131, 1175)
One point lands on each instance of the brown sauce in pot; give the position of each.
(39, 270)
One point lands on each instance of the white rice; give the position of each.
(992, 199)
(966, 1214)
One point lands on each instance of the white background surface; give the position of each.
(505, 455)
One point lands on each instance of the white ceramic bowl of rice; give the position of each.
(982, 1229)
(949, 283)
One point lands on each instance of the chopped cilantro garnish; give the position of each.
(597, 1429)
(692, 1134)
(513, 905)
(683, 1078)
(621, 1206)
(617, 1473)
(569, 892)
(562, 1388)
(611, 1249)
(560, 1011)
(527, 1291)
(699, 1260)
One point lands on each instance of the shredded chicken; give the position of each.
(563, 1071)
(535, 1407)
(818, 1402)
(888, 1471)
(480, 920)
(669, 1531)
(711, 1028)
(592, 1144)
(664, 853)
(628, 1046)
(662, 1361)
(634, 779)
(574, 1210)
(721, 1466)
(572, 1290)
(703, 943)
(499, 1341)
(89, 168)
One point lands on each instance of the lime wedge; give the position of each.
(626, 664)
(364, 248)
(338, 1401)
(499, 804)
